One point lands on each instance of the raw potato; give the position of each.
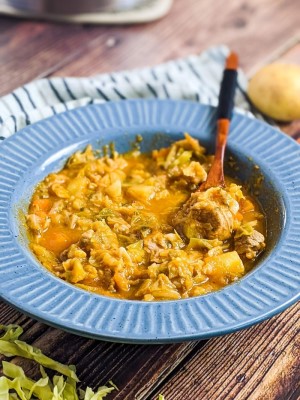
(275, 91)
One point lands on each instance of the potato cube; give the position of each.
(227, 266)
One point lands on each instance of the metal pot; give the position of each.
(61, 7)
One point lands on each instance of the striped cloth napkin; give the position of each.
(195, 78)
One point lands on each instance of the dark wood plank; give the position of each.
(32, 49)
(36, 49)
(192, 26)
(292, 129)
(259, 363)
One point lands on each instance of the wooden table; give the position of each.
(261, 362)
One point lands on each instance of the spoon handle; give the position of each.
(215, 176)
(228, 86)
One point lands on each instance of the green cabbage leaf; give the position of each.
(15, 385)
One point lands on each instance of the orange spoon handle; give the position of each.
(215, 176)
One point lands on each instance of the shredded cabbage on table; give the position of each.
(15, 385)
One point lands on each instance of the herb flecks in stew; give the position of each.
(133, 225)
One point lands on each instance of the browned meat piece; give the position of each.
(250, 245)
(207, 215)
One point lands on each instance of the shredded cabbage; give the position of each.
(107, 212)
(143, 220)
(245, 229)
(197, 243)
(15, 385)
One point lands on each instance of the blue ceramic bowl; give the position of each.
(27, 157)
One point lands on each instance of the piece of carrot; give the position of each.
(239, 216)
(160, 153)
(246, 206)
(44, 205)
(57, 239)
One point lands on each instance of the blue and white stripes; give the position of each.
(193, 78)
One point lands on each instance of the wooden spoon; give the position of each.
(215, 176)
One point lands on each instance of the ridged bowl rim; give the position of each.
(26, 285)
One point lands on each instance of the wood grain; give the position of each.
(36, 49)
(260, 363)
(191, 27)
(133, 368)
